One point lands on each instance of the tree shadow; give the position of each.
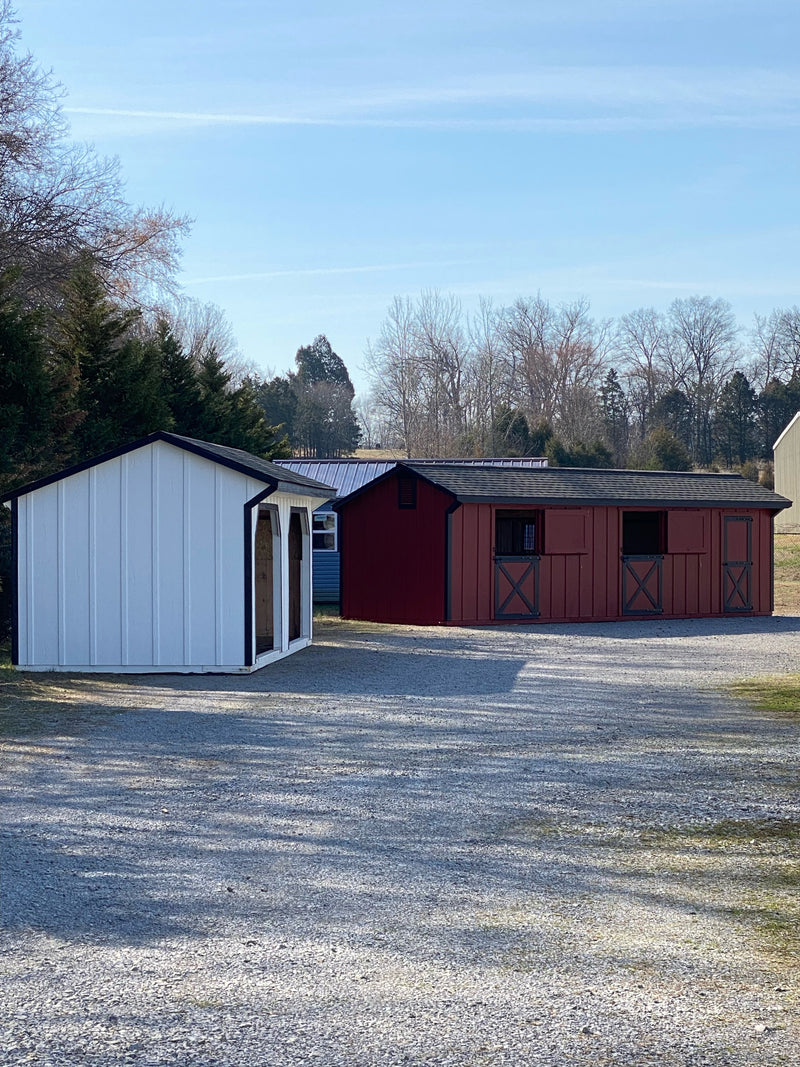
(458, 793)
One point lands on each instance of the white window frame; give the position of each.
(325, 516)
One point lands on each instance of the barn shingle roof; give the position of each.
(580, 485)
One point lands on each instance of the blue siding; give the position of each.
(326, 578)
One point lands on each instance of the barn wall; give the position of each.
(392, 558)
(137, 562)
(580, 570)
(787, 476)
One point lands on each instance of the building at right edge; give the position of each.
(786, 451)
(430, 544)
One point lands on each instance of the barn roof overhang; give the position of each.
(276, 478)
(586, 487)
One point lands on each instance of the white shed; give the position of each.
(166, 555)
(786, 451)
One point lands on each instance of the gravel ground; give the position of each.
(407, 845)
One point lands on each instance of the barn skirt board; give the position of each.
(433, 558)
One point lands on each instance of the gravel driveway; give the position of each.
(412, 846)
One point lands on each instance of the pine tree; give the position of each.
(26, 396)
(118, 394)
(734, 420)
(324, 422)
(180, 388)
(615, 417)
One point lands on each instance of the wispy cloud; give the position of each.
(375, 268)
(550, 99)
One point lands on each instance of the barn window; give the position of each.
(406, 491)
(643, 533)
(517, 533)
(324, 532)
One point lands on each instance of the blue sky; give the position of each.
(333, 156)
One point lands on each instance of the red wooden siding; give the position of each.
(580, 569)
(393, 558)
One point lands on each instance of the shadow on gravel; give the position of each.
(461, 790)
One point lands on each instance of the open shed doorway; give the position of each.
(266, 554)
(295, 576)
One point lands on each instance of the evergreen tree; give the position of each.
(673, 412)
(734, 420)
(318, 362)
(118, 395)
(249, 430)
(578, 455)
(278, 400)
(324, 423)
(180, 388)
(661, 450)
(614, 405)
(26, 395)
(511, 435)
(778, 404)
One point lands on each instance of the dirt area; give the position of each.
(405, 845)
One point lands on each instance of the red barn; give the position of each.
(447, 544)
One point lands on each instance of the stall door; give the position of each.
(642, 586)
(265, 637)
(737, 563)
(295, 575)
(643, 534)
(516, 564)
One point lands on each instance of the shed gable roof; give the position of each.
(263, 470)
(580, 485)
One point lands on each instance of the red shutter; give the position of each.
(687, 532)
(565, 531)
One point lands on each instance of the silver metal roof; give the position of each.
(347, 475)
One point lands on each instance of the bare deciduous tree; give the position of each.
(640, 348)
(396, 376)
(703, 354)
(60, 203)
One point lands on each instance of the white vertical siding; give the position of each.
(106, 602)
(200, 539)
(787, 476)
(75, 579)
(43, 629)
(139, 563)
(138, 540)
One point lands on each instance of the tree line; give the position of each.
(97, 346)
(682, 388)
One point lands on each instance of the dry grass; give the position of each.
(771, 692)
(787, 574)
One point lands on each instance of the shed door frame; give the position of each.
(251, 509)
(737, 574)
(277, 585)
(517, 552)
(304, 576)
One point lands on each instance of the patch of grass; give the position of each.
(326, 611)
(787, 573)
(766, 883)
(754, 831)
(770, 693)
(46, 706)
